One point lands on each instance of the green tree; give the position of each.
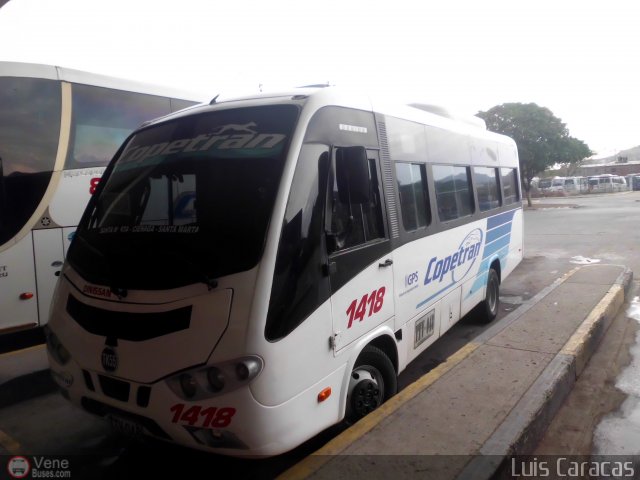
(542, 139)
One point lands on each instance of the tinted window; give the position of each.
(354, 223)
(298, 284)
(510, 191)
(412, 187)
(103, 118)
(29, 133)
(487, 188)
(453, 191)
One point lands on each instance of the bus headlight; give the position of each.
(247, 369)
(213, 380)
(216, 379)
(188, 385)
(59, 353)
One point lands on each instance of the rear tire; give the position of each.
(491, 301)
(373, 381)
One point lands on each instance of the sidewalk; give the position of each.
(493, 399)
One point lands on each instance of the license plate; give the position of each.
(125, 426)
(424, 328)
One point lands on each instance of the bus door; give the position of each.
(360, 262)
(49, 256)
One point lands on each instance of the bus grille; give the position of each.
(135, 327)
(113, 388)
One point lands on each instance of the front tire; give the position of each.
(373, 381)
(492, 298)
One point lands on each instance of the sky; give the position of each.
(579, 59)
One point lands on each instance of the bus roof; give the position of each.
(318, 97)
(52, 72)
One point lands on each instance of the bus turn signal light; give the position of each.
(26, 296)
(324, 394)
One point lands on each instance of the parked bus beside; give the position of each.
(253, 271)
(58, 129)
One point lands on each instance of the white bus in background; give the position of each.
(58, 130)
(607, 183)
(253, 271)
(544, 184)
(633, 182)
(557, 185)
(575, 185)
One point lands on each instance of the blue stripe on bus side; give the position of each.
(496, 245)
(435, 295)
(506, 217)
(498, 232)
(493, 247)
(481, 279)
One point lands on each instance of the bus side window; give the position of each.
(414, 197)
(487, 187)
(355, 215)
(454, 196)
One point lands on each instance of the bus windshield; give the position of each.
(186, 201)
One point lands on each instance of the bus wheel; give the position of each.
(373, 381)
(492, 298)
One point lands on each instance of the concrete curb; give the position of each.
(523, 428)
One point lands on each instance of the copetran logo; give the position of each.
(458, 263)
(226, 137)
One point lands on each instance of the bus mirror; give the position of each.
(352, 175)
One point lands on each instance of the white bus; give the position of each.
(575, 185)
(607, 183)
(58, 130)
(254, 271)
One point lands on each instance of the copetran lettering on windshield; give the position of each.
(231, 139)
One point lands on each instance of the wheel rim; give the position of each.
(492, 295)
(366, 390)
